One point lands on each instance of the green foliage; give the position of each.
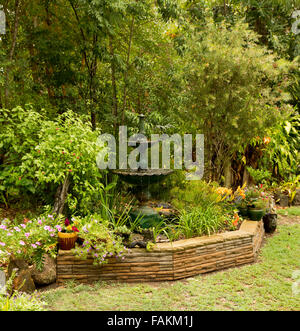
(233, 86)
(201, 220)
(19, 301)
(30, 239)
(259, 204)
(202, 210)
(39, 154)
(273, 21)
(194, 193)
(215, 67)
(259, 176)
(99, 241)
(281, 155)
(18, 137)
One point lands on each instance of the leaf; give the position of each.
(288, 127)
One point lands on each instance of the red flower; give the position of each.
(75, 229)
(67, 222)
(67, 162)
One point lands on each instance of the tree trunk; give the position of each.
(60, 197)
(227, 174)
(126, 72)
(114, 85)
(12, 51)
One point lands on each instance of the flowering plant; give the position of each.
(30, 239)
(261, 203)
(69, 226)
(230, 195)
(99, 242)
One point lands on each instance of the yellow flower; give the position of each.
(224, 192)
(69, 228)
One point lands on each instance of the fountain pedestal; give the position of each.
(142, 179)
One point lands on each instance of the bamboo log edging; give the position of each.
(170, 261)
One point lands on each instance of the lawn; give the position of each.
(265, 285)
(291, 211)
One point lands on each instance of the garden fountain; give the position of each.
(142, 179)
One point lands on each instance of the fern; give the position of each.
(39, 259)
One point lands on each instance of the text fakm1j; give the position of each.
(154, 320)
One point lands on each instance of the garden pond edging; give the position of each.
(169, 261)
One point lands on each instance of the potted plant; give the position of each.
(242, 207)
(252, 194)
(99, 243)
(67, 235)
(257, 209)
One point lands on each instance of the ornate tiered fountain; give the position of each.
(142, 178)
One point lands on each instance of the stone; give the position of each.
(296, 200)
(140, 243)
(16, 263)
(47, 275)
(281, 199)
(22, 281)
(2, 281)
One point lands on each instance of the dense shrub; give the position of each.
(30, 239)
(40, 155)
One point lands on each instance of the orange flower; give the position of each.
(235, 221)
(267, 140)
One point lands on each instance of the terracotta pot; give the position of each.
(67, 240)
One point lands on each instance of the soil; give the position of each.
(288, 220)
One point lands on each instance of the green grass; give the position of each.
(265, 285)
(291, 211)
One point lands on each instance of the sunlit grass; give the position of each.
(291, 211)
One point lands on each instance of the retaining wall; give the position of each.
(169, 261)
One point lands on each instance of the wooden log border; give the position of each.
(169, 261)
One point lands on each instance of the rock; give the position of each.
(296, 200)
(16, 263)
(2, 281)
(272, 206)
(22, 281)
(270, 222)
(282, 199)
(140, 243)
(47, 275)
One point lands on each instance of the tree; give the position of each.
(234, 89)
